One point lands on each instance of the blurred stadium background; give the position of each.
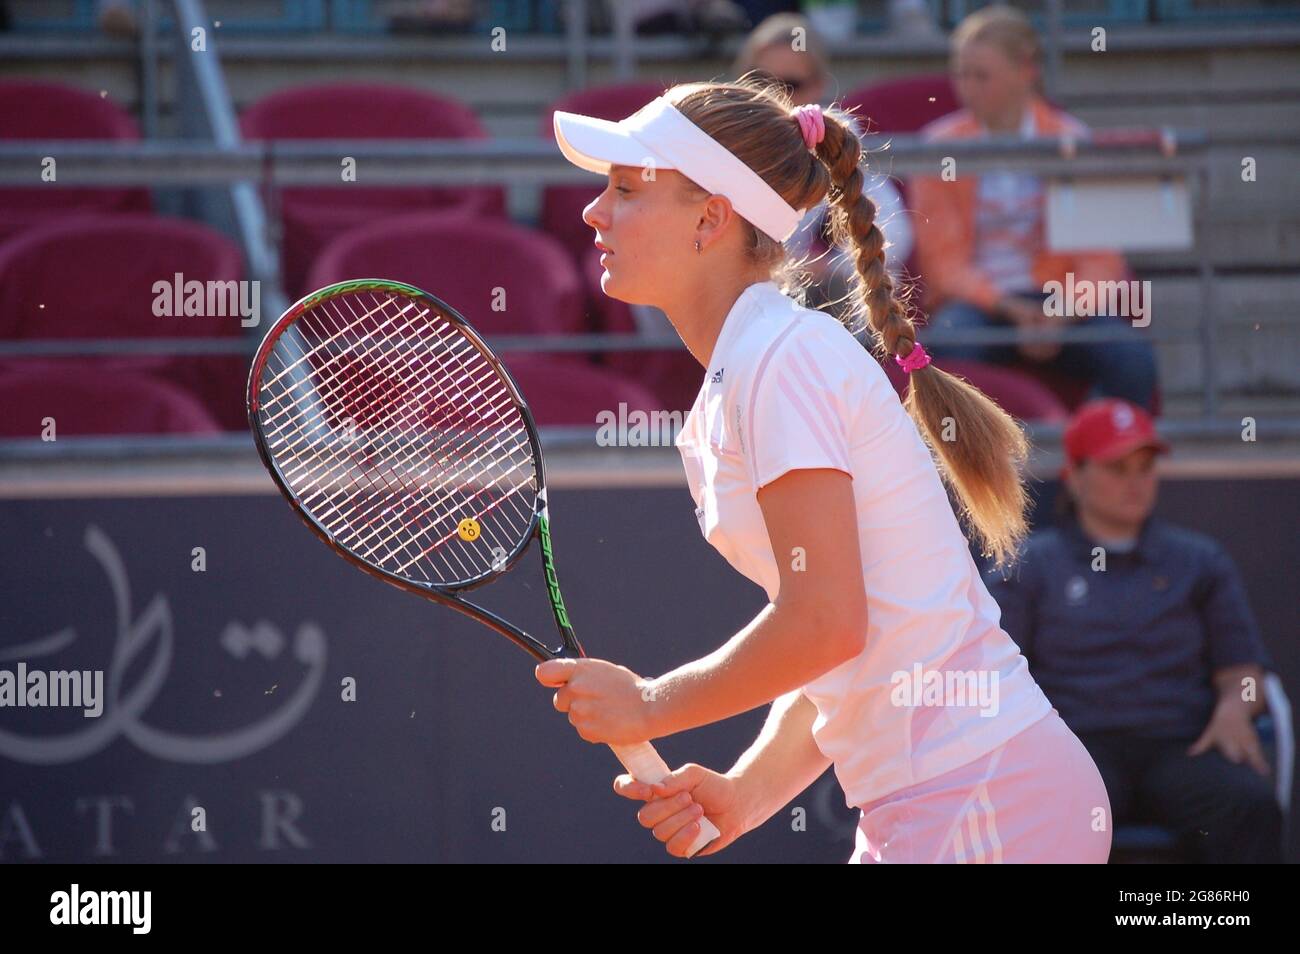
(205, 138)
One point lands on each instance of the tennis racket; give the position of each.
(401, 440)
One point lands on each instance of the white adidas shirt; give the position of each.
(787, 388)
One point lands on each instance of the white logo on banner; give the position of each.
(125, 710)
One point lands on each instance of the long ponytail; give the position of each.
(755, 121)
(979, 447)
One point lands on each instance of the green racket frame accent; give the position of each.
(552, 584)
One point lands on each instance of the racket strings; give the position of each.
(390, 428)
(480, 376)
(450, 408)
(360, 400)
(274, 384)
(406, 500)
(304, 474)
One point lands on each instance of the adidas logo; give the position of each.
(717, 376)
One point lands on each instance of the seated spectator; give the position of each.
(1140, 634)
(787, 50)
(980, 238)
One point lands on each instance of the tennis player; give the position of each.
(880, 648)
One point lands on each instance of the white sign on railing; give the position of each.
(1126, 214)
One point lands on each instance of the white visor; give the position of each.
(658, 136)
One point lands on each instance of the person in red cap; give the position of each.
(1108, 429)
(1140, 634)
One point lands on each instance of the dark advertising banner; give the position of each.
(264, 701)
(260, 700)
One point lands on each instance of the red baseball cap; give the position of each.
(1108, 429)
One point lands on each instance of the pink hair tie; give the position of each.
(811, 124)
(916, 359)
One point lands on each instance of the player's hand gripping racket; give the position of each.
(400, 439)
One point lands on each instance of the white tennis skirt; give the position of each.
(1037, 798)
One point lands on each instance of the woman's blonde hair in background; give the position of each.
(783, 29)
(1003, 27)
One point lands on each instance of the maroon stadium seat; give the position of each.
(96, 401)
(314, 216)
(34, 109)
(464, 261)
(564, 394)
(903, 105)
(93, 277)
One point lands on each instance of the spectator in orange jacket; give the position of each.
(980, 239)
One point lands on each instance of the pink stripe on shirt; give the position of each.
(834, 425)
(790, 390)
(758, 380)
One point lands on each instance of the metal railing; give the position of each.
(545, 16)
(248, 166)
(265, 165)
(208, 112)
(328, 35)
(218, 157)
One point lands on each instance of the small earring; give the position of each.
(697, 245)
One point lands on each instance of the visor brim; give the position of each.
(596, 144)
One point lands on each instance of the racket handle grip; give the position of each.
(646, 765)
